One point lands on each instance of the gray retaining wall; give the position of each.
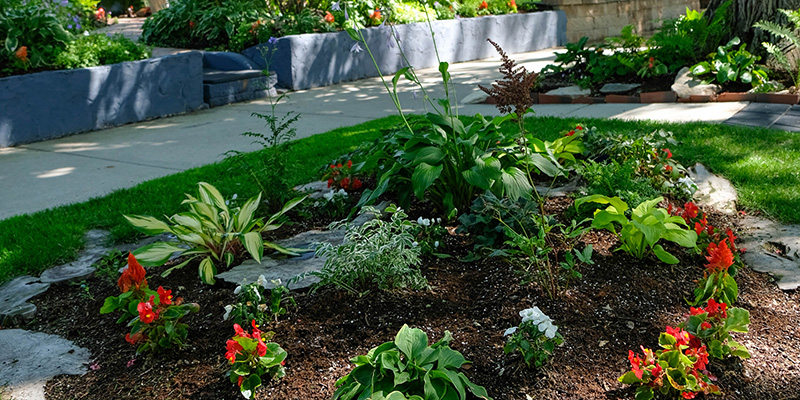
(50, 104)
(320, 59)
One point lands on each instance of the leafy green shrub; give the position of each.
(212, 231)
(727, 65)
(378, 254)
(482, 222)
(616, 179)
(256, 302)
(408, 368)
(31, 38)
(252, 356)
(92, 50)
(639, 235)
(788, 34)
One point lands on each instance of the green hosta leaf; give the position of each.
(682, 237)
(423, 177)
(449, 358)
(429, 155)
(156, 253)
(605, 220)
(207, 271)
(245, 215)
(618, 206)
(254, 245)
(189, 221)
(546, 166)
(651, 232)
(476, 179)
(701, 69)
(286, 207)
(411, 341)
(726, 73)
(210, 195)
(148, 225)
(664, 255)
(515, 184)
(477, 390)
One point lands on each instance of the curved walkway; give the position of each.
(56, 172)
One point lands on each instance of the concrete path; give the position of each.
(763, 115)
(56, 172)
(131, 28)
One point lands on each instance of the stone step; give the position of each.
(226, 87)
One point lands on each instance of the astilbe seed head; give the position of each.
(513, 92)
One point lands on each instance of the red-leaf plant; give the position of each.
(154, 317)
(341, 177)
(679, 367)
(251, 356)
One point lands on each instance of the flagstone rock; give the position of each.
(687, 85)
(315, 190)
(619, 88)
(18, 291)
(476, 97)
(29, 359)
(574, 91)
(773, 248)
(713, 190)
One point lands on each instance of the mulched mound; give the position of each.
(619, 304)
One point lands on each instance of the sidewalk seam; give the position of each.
(102, 159)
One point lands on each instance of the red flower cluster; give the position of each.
(100, 14)
(233, 347)
(483, 5)
(572, 132)
(132, 277)
(512, 4)
(719, 257)
(340, 177)
(146, 312)
(688, 212)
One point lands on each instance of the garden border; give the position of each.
(52, 104)
(322, 59)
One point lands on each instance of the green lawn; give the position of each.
(764, 165)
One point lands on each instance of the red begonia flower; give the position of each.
(688, 395)
(636, 363)
(241, 378)
(146, 313)
(669, 153)
(680, 335)
(164, 296)
(232, 348)
(690, 210)
(717, 309)
(240, 332)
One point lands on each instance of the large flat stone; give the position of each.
(773, 248)
(315, 189)
(687, 85)
(29, 359)
(18, 291)
(82, 267)
(713, 191)
(619, 88)
(748, 118)
(574, 91)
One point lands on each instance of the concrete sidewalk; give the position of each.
(42, 175)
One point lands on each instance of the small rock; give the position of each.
(761, 241)
(574, 91)
(476, 97)
(713, 191)
(630, 325)
(561, 191)
(687, 85)
(602, 343)
(619, 88)
(315, 189)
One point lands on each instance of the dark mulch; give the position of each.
(619, 304)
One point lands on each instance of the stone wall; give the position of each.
(598, 19)
(50, 104)
(321, 59)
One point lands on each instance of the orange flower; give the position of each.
(329, 17)
(132, 276)
(719, 256)
(376, 15)
(22, 53)
(483, 5)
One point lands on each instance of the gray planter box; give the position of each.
(320, 59)
(50, 104)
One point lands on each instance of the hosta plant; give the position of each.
(154, 317)
(213, 232)
(648, 224)
(252, 356)
(261, 301)
(713, 324)
(730, 65)
(408, 368)
(677, 369)
(535, 338)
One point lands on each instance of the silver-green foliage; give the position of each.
(785, 33)
(379, 254)
(211, 230)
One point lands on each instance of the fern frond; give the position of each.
(779, 31)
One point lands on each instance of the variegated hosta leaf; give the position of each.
(148, 225)
(254, 244)
(157, 253)
(245, 214)
(207, 271)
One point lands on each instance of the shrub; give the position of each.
(379, 254)
(252, 356)
(92, 50)
(787, 34)
(31, 38)
(212, 231)
(408, 368)
(616, 179)
(730, 65)
(482, 223)
(712, 326)
(154, 317)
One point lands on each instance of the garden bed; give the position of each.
(618, 304)
(51, 104)
(321, 59)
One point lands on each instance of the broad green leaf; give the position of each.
(701, 69)
(644, 207)
(546, 166)
(477, 390)
(682, 237)
(619, 206)
(423, 177)
(254, 245)
(148, 225)
(207, 270)
(189, 221)
(476, 179)
(429, 155)
(210, 195)
(156, 254)
(629, 378)
(515, 184)
(411, 341)
(246, 213)
(449, 358)
(664, 255)
(644, 392)
(651, 232)
(738, 320)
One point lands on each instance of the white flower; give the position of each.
(510, 331)
(235, 196)
(85, 33)
(262, 281)
(424, 221)
(342, 193)
(262, 307)
(328, 195)
(436, 244)
(228, 310)
(548, 328)
(356, 48)
(415, 244)
(438, 220)
(247, 394)
(237, 290)
(255, 290)
(532, 314)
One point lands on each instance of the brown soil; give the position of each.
(619, 304)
